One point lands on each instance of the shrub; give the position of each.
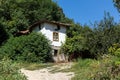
(10, 71)
(106, 68)
(111, 72)
(115, 50)
(31, 48)
(74, 47)
(109, 69)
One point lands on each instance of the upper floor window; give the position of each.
(58, 28)
(55, 36)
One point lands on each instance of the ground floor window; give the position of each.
(55, 52)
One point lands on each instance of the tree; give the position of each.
(74, 30)
(105, 33)
(93, 42)
(75, 45)
(19, 14)
(117, 4)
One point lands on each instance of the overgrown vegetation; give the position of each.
(106, 68)
(18, 15)
(115, 50)
(82, 41)
(34, 66)
(9, 70)
(29, 48)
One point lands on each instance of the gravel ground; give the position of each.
(45, 74)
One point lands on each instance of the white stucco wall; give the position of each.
(48, 29)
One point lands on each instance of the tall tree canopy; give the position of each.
(92, 42)
(104, 35)
(19, 14)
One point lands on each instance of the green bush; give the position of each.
(10, 71)
(109, 69)
(74, 44)
(31, 48)
(115, 50)
(74, 47)
(110, 72)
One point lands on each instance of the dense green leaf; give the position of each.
(31, 48)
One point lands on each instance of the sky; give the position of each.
(88, 11)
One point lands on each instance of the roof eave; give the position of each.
(51, 22)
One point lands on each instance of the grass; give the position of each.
(9, 70)
(89, 69)
(52, 67)
(105, 68)
(82, 69)
(61, 67)
(35, 66)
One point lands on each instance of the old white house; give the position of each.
(55, 32)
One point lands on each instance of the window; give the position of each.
(55, 36)
(39, 26)
(55, 52)
(58, 28)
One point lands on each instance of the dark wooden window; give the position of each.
(58, 28)
(55, 36)
(55, 52)
(39, 26)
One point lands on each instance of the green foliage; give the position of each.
(31, 48)
(10, 71)
(115, 50)
(79, 41)
(74, 30)
(117, 4)
(106, 68)
(82, 69)
(103, 36)
(109, 69)
(19, 14)
(92, 42)
(74, 44)
(3, 35)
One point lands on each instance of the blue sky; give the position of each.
(86, 11)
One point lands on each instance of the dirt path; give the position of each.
(49, 73)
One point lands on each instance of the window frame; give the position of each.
(55, 36)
